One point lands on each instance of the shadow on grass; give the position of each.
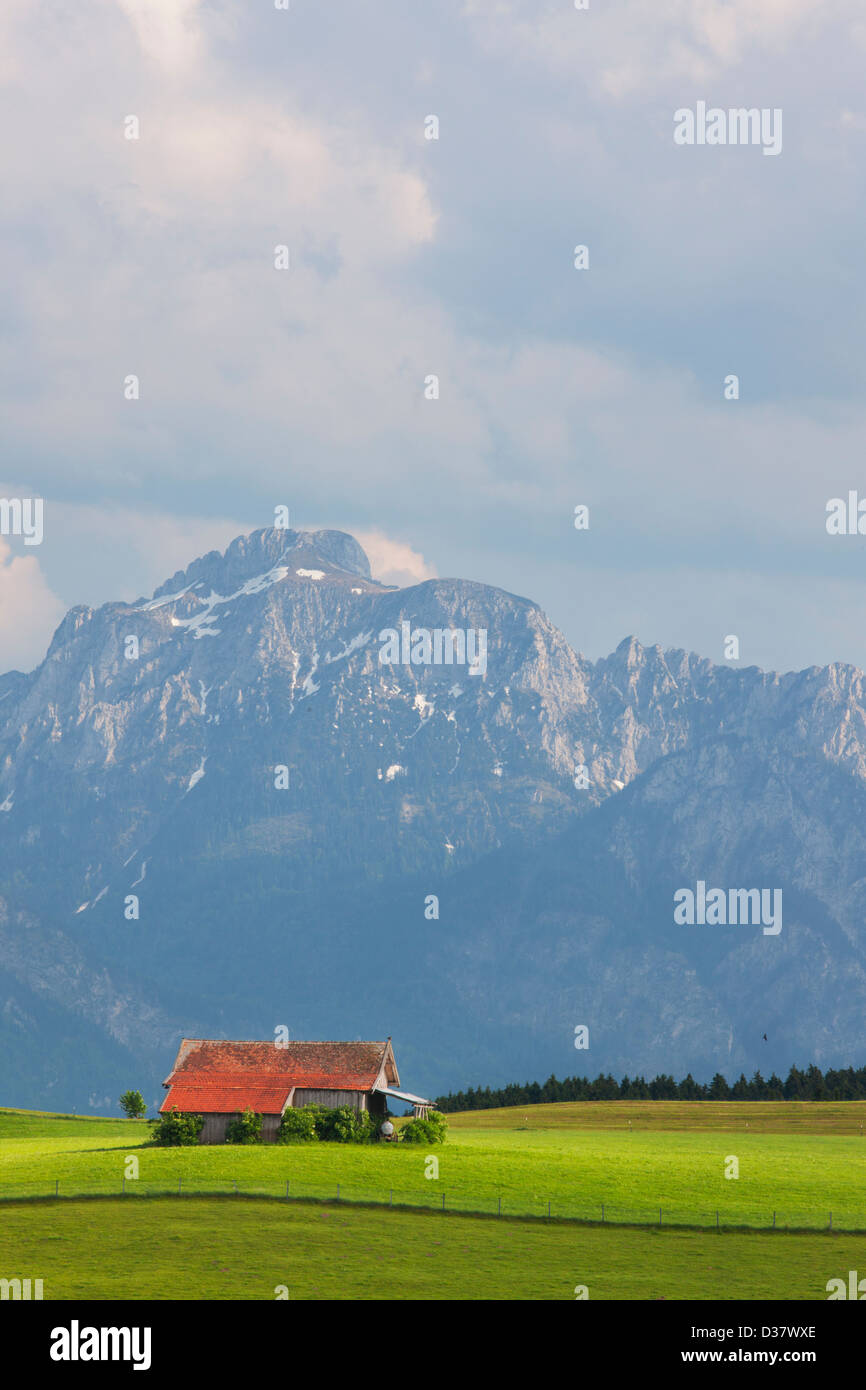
(333, 1203)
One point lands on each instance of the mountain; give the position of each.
(222, 812)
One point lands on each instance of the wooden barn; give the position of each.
(219, 1080)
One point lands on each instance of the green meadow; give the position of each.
(245, 1248)
(495, 1161)
(111, 1234)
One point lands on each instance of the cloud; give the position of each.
(410, 257)
(394, 562)
(169, 32)
(630, 49)
(165, 265)
(29, 611)
(93, 554)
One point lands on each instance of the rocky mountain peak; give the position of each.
(332, 552)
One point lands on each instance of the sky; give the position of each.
(411, 257)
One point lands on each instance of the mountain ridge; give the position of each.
(153, 776)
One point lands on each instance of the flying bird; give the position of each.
(766, 1039)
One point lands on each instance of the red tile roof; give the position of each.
(227, 1099)
(221, 1077)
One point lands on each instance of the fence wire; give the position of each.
(438, 1198)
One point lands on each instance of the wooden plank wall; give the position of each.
(215, 1127)
(214, 1131)
(331, 1099)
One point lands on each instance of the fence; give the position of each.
(433, 1198)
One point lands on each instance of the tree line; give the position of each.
(811, 1084)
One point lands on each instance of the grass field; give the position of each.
(575, 1157)
(243, 1248)
(760, 1117)
(801, 1161)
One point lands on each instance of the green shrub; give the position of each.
(340, 1126)
(299, 1126)
(176, 1128)
(306, 1123)
(430, 1131)
(245, 1129)
(367, 1127)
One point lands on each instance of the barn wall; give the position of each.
(270, 1128)
(215, 1127)
(214, 1131)
(331, 1099)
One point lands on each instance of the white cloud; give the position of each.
(394, 562)
(168, 32)
(159, 257)
(29, 611)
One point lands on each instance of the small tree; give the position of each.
(245, 1129)
(132, 1104)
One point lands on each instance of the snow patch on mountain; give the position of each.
(262, 581)
(201, 624)
(163, 602)
(360, 640)
(197, 775)
(309, 686)
(395, 770)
